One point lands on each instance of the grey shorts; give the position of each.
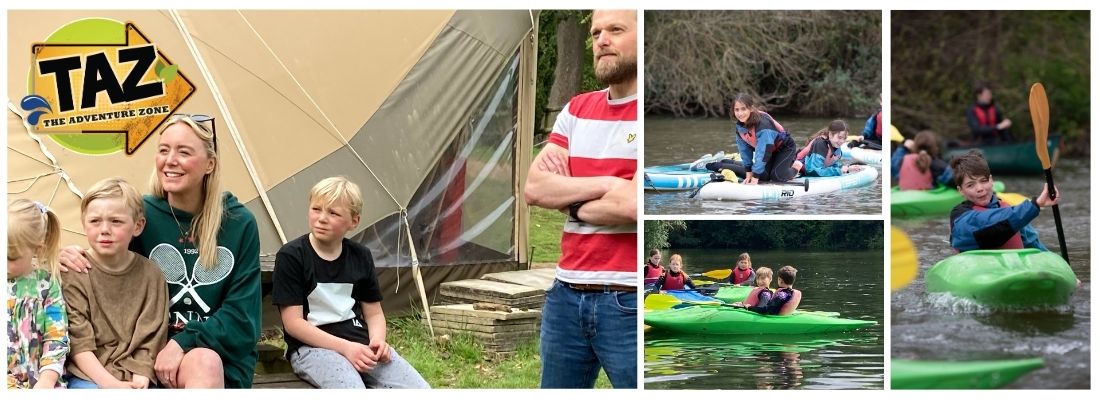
(328, 369)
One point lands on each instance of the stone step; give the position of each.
(489, 289)
(468, 310)
(536, 278)
(525, 328)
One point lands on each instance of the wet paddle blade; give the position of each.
(1040, 120)
(659, 301)
(718, 274)
(903, 259)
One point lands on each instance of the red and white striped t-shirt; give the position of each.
(602, 138)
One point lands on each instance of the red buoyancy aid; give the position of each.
(653, 271)
(830, 155)
(910, 177)
(987, 116)
(1015, 242)
(878, 124)
(750, 134)
(673, 282)
(740, 276)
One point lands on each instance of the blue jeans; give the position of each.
(583, 331)
(77, 383)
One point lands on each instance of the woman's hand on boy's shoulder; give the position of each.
(73, 258)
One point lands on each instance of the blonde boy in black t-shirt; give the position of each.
(330, 303)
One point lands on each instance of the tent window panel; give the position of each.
(464, 211)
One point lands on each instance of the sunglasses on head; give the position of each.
(201, 120)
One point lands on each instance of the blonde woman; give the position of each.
(208, 247)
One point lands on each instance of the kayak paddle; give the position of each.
(718, 274)
(1040, 119)
(903, 259)
(659, 301)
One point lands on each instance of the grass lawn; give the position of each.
(459, 362)
(545, 234)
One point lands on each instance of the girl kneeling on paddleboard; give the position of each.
(767, 151)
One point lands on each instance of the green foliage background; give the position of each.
(765, 235)
(938, 56)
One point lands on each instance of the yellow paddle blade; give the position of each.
(718, 274)
(1040, 120)
(895, 135)
(702, 281)
(659, 301)
(729, 175)
(903, 259)
(1012, 199)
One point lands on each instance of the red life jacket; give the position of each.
(673, 282)
(910, 177)
(740, 276)
(878, 124)
(987, 116)
(830, 155)
(750, 134)
(653, 271)
(1015, 242)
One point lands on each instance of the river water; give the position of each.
(850, 283)
(678, 140)
(940, 327)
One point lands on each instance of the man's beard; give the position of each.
(618, 72)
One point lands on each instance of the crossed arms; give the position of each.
(610, 200)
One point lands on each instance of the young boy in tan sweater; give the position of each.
(118, 311)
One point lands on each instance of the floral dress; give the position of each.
(37, 329)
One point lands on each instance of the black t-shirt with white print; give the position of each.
(329, 292)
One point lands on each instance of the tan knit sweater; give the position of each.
(119, 313)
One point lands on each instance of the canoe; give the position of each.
(912, 374)
(1012, 158)
(938, 201)
(729, 320)
(730, 191)
(866, 156)
(1012, 278)
(674, 177)
(733, 294)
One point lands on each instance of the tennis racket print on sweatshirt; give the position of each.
(174, 268)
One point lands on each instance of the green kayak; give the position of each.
(912, 374)
(1028, 277)
(732, 294)
(935, 202)
(725, 319)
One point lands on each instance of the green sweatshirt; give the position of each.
(217, 308)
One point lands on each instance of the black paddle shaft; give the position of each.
(1057, 216)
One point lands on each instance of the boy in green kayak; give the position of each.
(785, 299)
(983, 221)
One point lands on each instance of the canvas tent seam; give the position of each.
(418, 278)
(233, 132)
(320, 110)
(49, 156)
